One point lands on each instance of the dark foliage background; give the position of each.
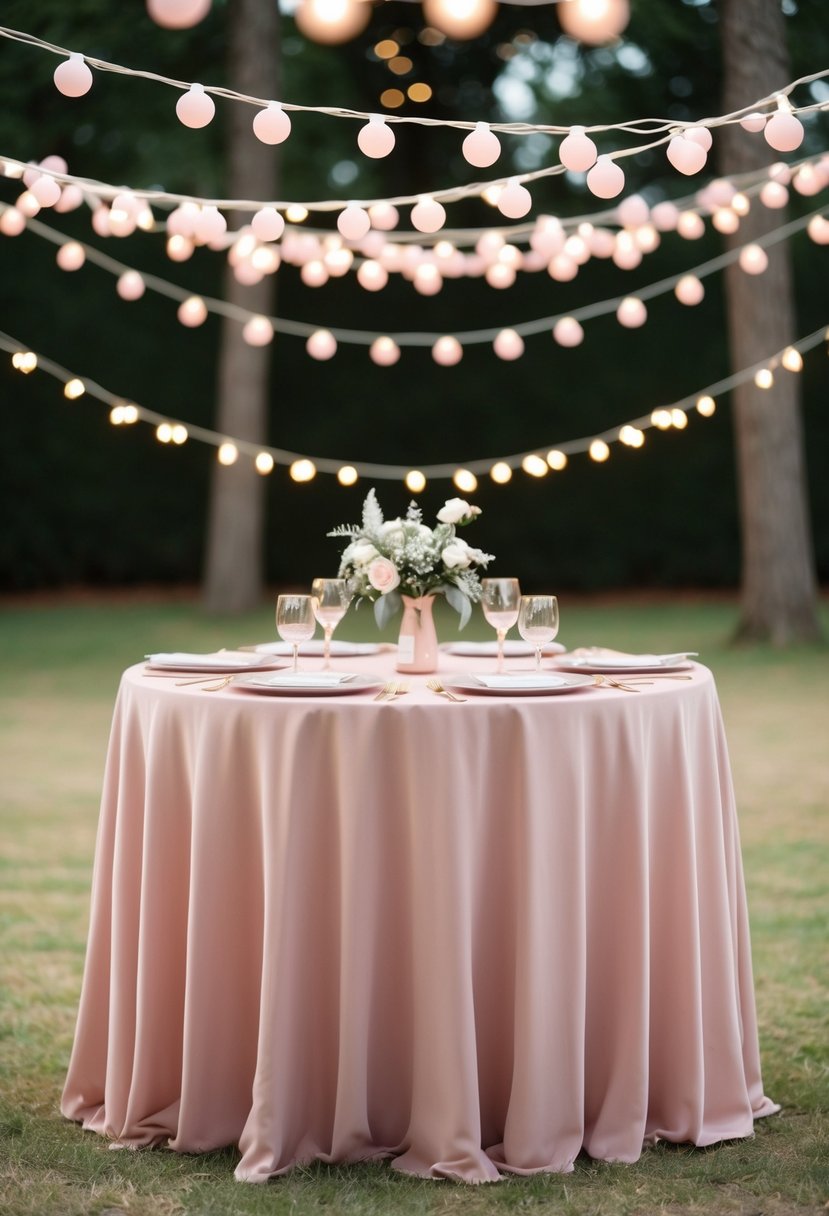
(86, 502)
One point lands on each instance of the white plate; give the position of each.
(226, 662)
(315, 647)
(558, 684)
(512, 649)
(262, 683)
(616, 667)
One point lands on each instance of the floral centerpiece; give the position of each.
(387, 559)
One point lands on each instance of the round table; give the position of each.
(474, 938)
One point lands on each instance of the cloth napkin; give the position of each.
(315, 647)
(527, 679)
(309, 679)
(591, 655)
(512, 649)
(221, 658)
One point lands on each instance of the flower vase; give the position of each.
(417, 647)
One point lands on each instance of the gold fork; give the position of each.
(387, 692)
(217, 687)
(436, 686)
(602, 680)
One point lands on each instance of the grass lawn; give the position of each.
(61, 664)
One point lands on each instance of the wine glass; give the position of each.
(295, 621)
(500, 599)
(331, 598)
(538, 622)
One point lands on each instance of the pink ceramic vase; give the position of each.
(417, 647)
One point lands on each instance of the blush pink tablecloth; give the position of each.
(473, 938)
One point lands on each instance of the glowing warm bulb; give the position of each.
(25, 361)
(179, 434)
(164, 432)
(661, 419)
(792, 359)
(679, 419)
(534, 465)
(228, 453)
(631, 436)
(501, 473)
(415, 481)
(73, 389)
(557, 460)
(303, 470)
(764, 378)
(347, 475)
(465, 481)
(116, 415)
(263, 463)
(740, 204)
(706, 406)
(599, 451)
(296, 213)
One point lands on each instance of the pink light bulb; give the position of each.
(428, 215)
(499, 275)
(100, 221)
(130, 285)
(606, 178)
(70, 256)
(774, 195)
(210, 225)
(686, 156)
(664, 217)
(353, 222)
(563, 268)
(568, 332)
(12, 222)
(720, 192)
(46, 190)
(808, 180)
(514, 200)
(577, 151)
(690, 226)
(631, 312)
(72, 77)
(384, 217)
(548, 236)
(195, 108)
(314, 273)
(427, 279)
(384, 352)
(701, 136)
(753, 259)
(267, 224)
(508, 345)
(180, 248)
(689, 290)
(271, 125)
(321, 345)
(784, 131)
(481, 147)
(54, 164)
(71, 197)
(178, 14)
(753, 122)
(447, 351)
(247, 274)
(372, 276)
(633, 211)
(602, 243)
(376, 139)
(817, 228)
(192, 312)
(258, 331)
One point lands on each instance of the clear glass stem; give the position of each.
(295, 648)
(326, 649)
(502, 633)
(538, 658)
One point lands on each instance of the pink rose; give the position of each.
(383, 576)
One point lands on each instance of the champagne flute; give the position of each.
(500, 600)
(331, 598)
(295, 622)
(538, 622)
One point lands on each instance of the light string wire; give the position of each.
(388, 472)
(643, 126)
(750, 183)
(358, 337)
(447, 194)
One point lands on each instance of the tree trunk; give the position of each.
(779, 586)
(234, 577)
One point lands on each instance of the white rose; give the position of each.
(392, 531)
(456, 555)
(454, 510)
(383, 576)
(360, 553)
